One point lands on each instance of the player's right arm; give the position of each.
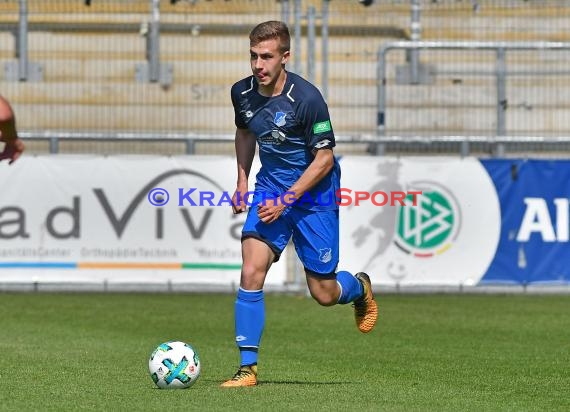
(245, 151)
(13, 145)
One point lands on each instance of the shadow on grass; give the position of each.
(302, 383)
(286, 382)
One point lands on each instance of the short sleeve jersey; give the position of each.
(289, 128)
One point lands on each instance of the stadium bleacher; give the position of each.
(89, 68)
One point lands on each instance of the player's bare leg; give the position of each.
(328, 292)
(325, 291)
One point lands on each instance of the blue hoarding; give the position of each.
(534, 244)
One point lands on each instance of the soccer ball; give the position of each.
(174, 365)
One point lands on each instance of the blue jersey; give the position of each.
(289, 128)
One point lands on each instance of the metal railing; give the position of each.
(368, 144)
(500, 72)
(189, 139)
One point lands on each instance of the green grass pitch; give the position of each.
(428, 352)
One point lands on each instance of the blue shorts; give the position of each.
(315, 236)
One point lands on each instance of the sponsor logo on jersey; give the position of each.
(278, 136)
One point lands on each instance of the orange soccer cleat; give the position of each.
(365, 307)
(245, 376)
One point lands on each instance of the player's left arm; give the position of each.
(13, 147)
(320, 167)
(320, 139)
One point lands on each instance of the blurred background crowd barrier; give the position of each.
(482, 77)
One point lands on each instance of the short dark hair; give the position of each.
(271, 30)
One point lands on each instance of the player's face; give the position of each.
(267, 62)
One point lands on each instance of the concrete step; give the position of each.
(345, 120)
(124, 118)
(526, 95)
(440, 19)
(74, 56)
(225, 47)
(122, 69)
(65, 10)
(175, 46)
(473, 120)
(151, 117)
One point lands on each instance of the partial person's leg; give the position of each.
(262, 244)
(250, 309)
(316, 239)
(334, 288)
(342, 288)
(250, 304)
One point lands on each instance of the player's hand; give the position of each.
(13, 149)
(239, 204)
(270, 210)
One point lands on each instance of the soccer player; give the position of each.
(13, 146)
(294, 192)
